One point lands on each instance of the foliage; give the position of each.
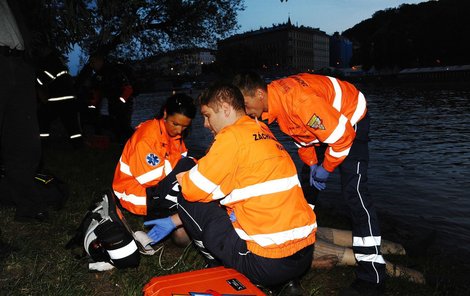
(418, 35)
(133, 27)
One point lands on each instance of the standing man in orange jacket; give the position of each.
(314, 110)
(242, 203)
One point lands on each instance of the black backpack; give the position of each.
(106, 236)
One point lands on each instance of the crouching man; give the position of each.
(242, 204)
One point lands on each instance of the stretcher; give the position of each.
(216, 281)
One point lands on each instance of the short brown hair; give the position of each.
(222, 92)
(248, 82)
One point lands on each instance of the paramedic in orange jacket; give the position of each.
(315, 109)
(145, 174)
(242, 204)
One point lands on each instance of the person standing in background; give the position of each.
(20, 146)
(56, 93)
(111, 82)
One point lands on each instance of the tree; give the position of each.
(133, 28)
(418, 35)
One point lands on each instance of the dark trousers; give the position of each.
(20, 145)
(66, 111)
(211, 229)
(121, 115)
(355, 191)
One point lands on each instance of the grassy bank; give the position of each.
(40, 265)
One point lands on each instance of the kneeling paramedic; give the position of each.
(242, 204)
(145, 177)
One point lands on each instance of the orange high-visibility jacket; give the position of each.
(251, 174)
(148, 156)
(314, 108)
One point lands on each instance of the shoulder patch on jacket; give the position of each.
(152, 159)
(315, 122)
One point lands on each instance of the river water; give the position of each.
(419, 167)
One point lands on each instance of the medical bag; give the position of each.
(105, 235)
(215, 281)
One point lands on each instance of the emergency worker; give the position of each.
(144, 179)
(111, 82)
(56, 92)
(314, 110)
(242, 204)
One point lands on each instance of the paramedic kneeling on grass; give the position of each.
(145, 177)
(242, 204)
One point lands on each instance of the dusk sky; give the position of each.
(327, 15)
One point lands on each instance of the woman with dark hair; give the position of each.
(144, 179)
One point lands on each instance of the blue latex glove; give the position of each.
(233, 218)
(161, 228)
(313, 168)
(320, 177)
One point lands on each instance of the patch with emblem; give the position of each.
(152, 159)
(315, 122)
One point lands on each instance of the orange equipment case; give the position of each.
(216, 281)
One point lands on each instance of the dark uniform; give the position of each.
(111, 82)
(57, 98)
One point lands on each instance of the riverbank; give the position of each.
(39, 264)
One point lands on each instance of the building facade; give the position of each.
(182, 62)
(284, 47)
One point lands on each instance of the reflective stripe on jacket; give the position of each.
(148, 156)
(252, 175)
(54, 80)
(314, 108)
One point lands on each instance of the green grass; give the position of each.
(41, 265)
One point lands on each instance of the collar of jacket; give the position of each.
(273, 105)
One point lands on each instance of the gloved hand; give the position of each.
(313, 168)
(320, 177)
(161, 228)
(232, 216)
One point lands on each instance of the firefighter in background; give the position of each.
(242, 204)
(315, 110)
(145, 177)
(111, 82)
(56, 93)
